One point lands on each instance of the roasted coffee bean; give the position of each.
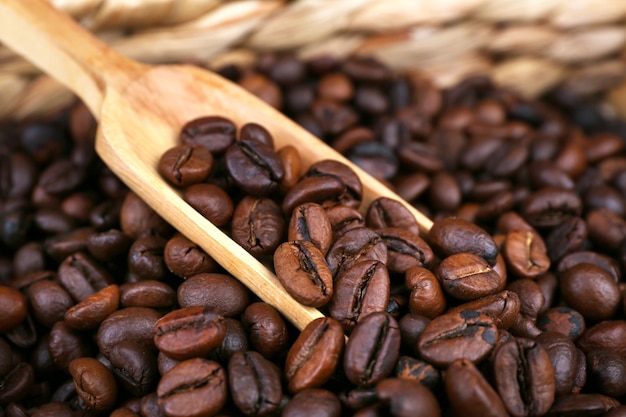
(108, 245)
(313, 402)
(469, 392)
(372, 350)
(325, 190)
(360, 291)
(467, 334)
(359, 397)
(411, 327)
(356, 244)
(66, 344)
(133, 324)
(267, 329)
(149, 293)
(417, 370)
(609, 334)
(564, 357)
(258, 225)
(605, 262)
(185, 165)
(94, 383)
(343, 219)
(262, 87)
(254, 383)
(29, 258)
(526, 254)
(467, 277)
(503, 307)
(569, 236)
(186, 259)
(450, 236)
(16, 384)
(211, 201)
(582, 405)
(407, 398)
(309, 221)
(607, 371)
(548, 207)
(136, 218)
(591, 291)
(563, 320)
(135, 367)
(405, 250)
(189, 332)
(23, 335)
(302, 270)
(385, 212)
(81, 276)
(195, 387)
(427, 297)
(91, 311)
(314, 356)
(235, 340)
(145, 258)
(353, 192)
(524, 377)
(214, 133)
(13, 308)
(290, 158)
(48, 301)
(618, 411)
(63, 245)
(255, 167)
(606, 228)
(530, 296)
(220, 293)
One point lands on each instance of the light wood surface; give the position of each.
(141, 110)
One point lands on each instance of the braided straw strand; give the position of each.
(529, 45)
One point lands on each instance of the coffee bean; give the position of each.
(90, 312)
(16, 384)
(48, 301)
(137, 218)
(467, 334)
(609, 334)
(591, 291)
(267, 329)
(372, 350)
(220, 293)
(427, 297)
(503, 307)
(149, 293)
(563, 320)
(213, 133)
(526, 254)
(81, 276)
(185, 165)
(211, 201)
(310, 222)
(417, 370)
(186, 259)
(549, 206)
(135, 367)
(451, 236)
(524, 377)
(564, 357)
(66, 344)
(254, 383)
(128, 324)
(385, 212)
(405, 397)
(467, 277)
(302, 270)
(607, 371)
(315, 354)
(356, 244)
(193, 387)
(469, 392)
(255, 167)
(405, 250)
(94, 383)
(12, 308)
(189, 332)
(530, 296)
(582, 404)
(258, 225)
(313, 402)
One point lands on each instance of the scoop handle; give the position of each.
(60, 47)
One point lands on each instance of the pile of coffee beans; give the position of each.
(513, 304)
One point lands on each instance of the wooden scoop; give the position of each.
(141, 110)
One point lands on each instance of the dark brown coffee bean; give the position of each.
(13, 308)
(567, 237)
(417, 370)
(325, 190)
(189, 332)
(254, 167)
(605, 262)
(302, 270)
(427, 297)
(314, 356)
(467, 277)
(235, 340)
(356, 244)
(563, 320)
(449, 236)
(61, 177)
(467, 334)
(469, 392)
(618, 411)
(524, 377)
(313, 402)
(385, 212)
(48, 301)
(94, 383)
(137, 218)
(358, 398)
(267, 329)
(186, 259)
(220, 293)
(135, 367)
(107, 245)
(258, 225)
(343, 219)
(564, 357)
(17, 383)
(24, 335)
(185, 165)
(29, 258)
(66, 344)
(607, 371)
(609, 334)
(605, 228)
(62, 245)
(405, 250)
(292, 165)
(195, 387)
(133, 324)
(360, 291)
(591, 291)
(309, 221)
(333, 118)
(90, 312)
(254, 383)
(150, 406)
(582, 405)
(548, 207)
(81, 276)
(372, 350)
(420, 156)
(211, 201)
(214, 133)
(149, 293)
(407, 398)
(526, 254)
(503, 307)
(530, 296)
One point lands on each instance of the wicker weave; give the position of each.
(532, 45)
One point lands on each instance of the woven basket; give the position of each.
(531, 45)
